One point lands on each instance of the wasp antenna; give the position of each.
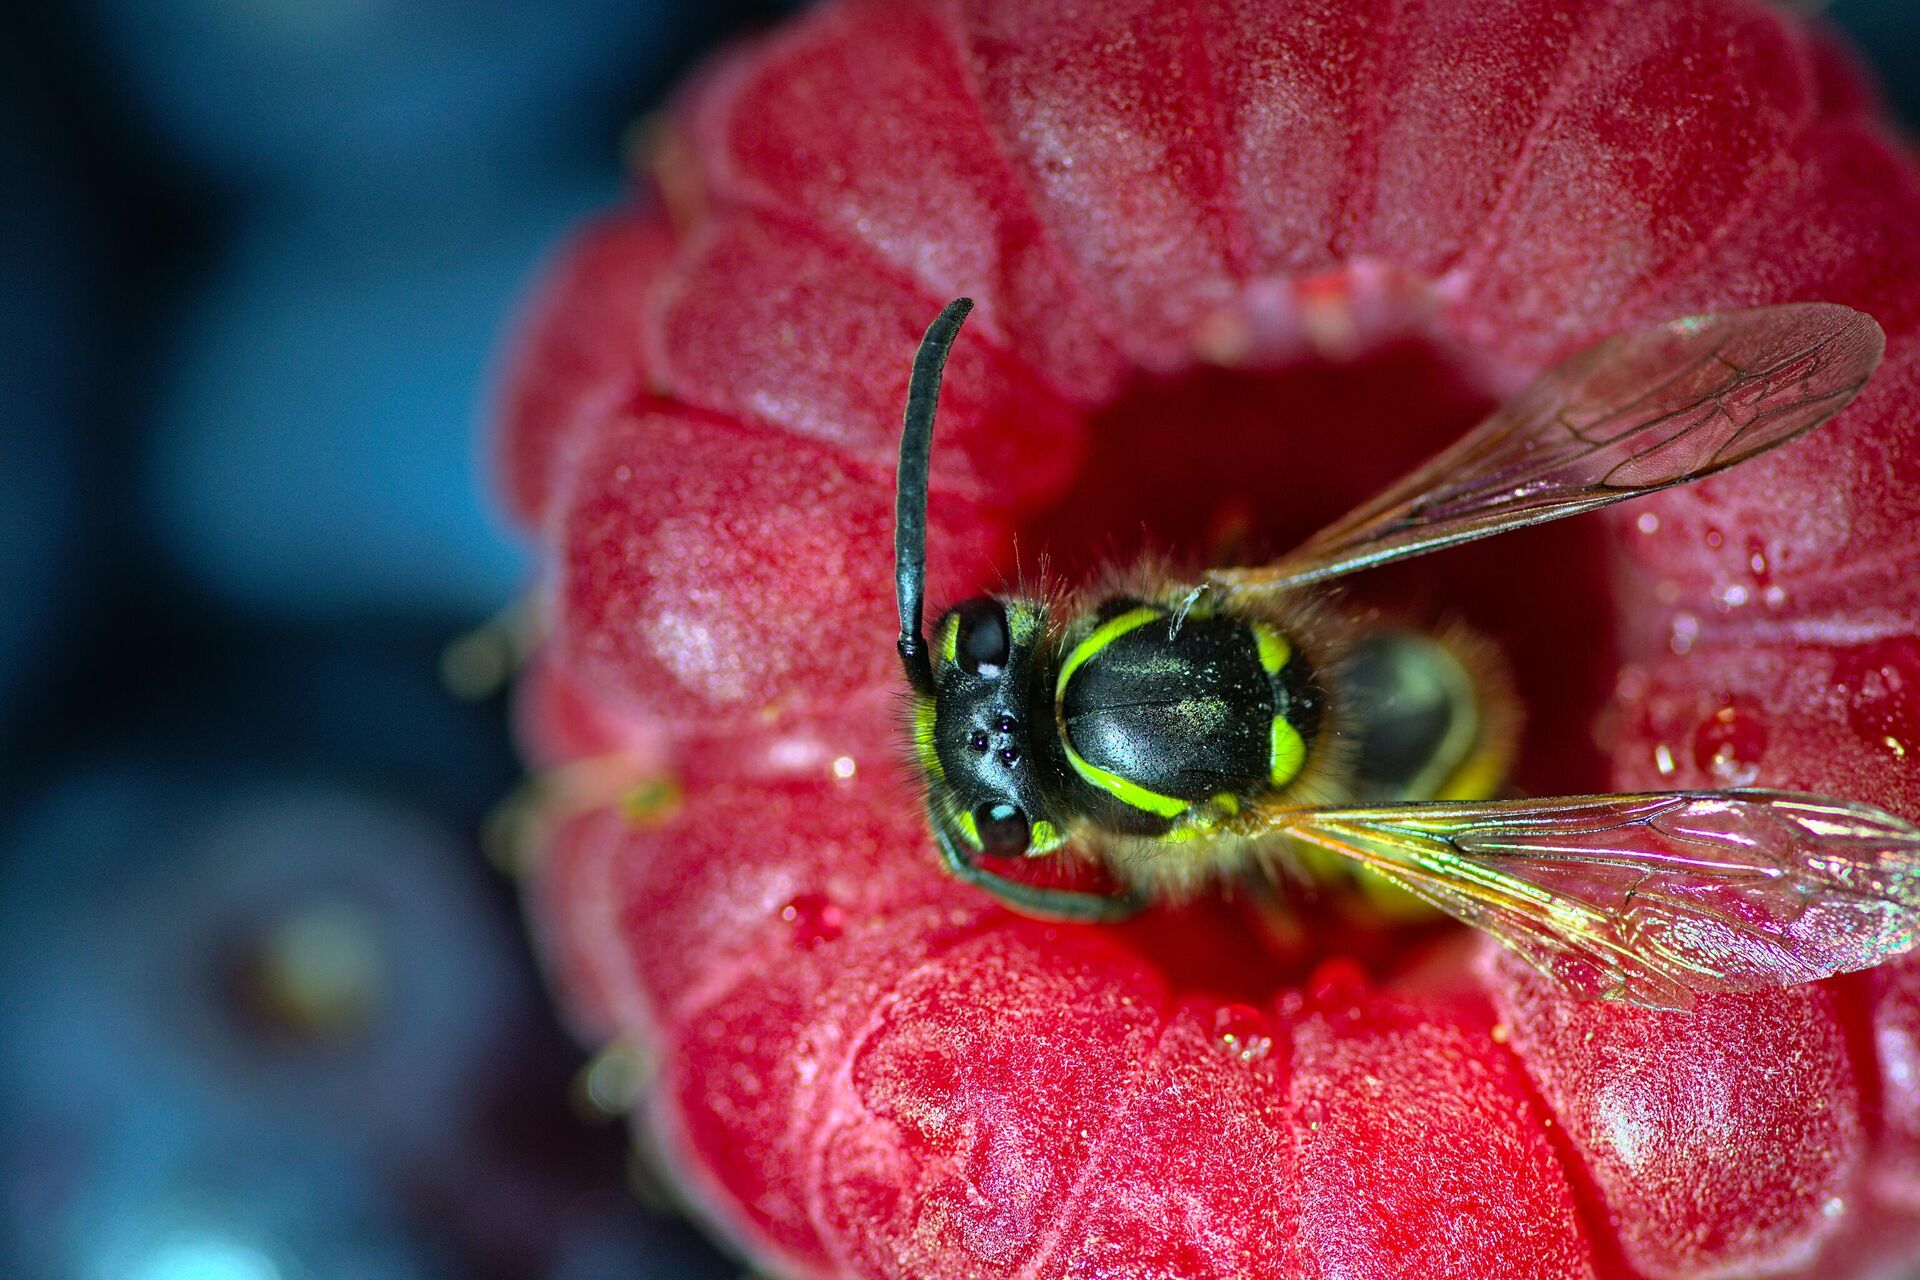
(910, 497)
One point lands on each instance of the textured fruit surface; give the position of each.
(1236, 265)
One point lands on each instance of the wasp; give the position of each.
(1182, 732)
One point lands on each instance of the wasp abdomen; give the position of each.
(1159, 715)
(1414, 711)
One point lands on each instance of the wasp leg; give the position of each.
(1066, 905)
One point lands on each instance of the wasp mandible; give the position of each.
(1182, 731)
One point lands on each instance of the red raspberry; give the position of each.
(1237, 264)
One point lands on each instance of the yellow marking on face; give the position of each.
(1286, 753)
(1045, 838)
(923, 748)
(1102, 636)
(969, 828)
(1119, 788)
(950, 638)
(1274, 649)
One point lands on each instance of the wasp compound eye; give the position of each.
(981, 645)
(1004, 832)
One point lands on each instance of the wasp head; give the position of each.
(978, 739)
(975, 707)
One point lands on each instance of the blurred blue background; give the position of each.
(266, 1013)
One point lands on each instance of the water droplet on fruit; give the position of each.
(1731, 597)
(1882, 684)
(1757, 560)
(815, 919)
(1337, 981)
(1648, 522)
(1243, 1032)
(1686, 630)
(1663, 759)
(1728, 746)
(1714, 537)
(844, 767)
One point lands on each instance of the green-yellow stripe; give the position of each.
(923, 718)
(1102, 636)
(1112, 783)
(1287, 752)
(950, 639)
(1122, 790)
(1274, 649)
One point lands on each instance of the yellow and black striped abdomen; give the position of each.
(1160, 718)
(1426, 716)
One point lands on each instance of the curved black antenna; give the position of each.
(910, 497)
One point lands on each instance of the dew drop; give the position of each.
(1732, 596)
(1648, 522)
(1336, 981)
(815, 919)
(1728, 745)
(844, 767)
(1882, 683)
(1686, 630)
(1757, 560)
(1663, 759)
(1714, 537)
(1243, 1032)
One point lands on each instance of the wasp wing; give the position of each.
(1635, 413)
(1653, 898)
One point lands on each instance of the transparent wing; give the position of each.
(1635, 413)
(1653, 898)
